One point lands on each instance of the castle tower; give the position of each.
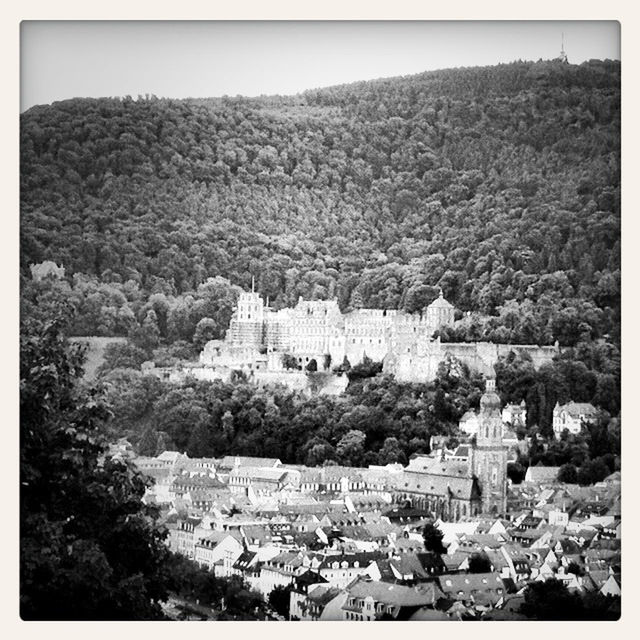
(247, 324)
(490, 454)
(440, 313)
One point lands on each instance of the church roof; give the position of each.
(437, 485)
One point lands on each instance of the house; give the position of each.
(340, 569)
(515, 414)
(481, 541)
(249, 564)
(230, 462)
(260, 480)
(218, 551)
(571, 416)
(280, 571)
(517, 561)
(187, 482)
(611, 587)
(186, 532)
(469, 423)
(332, 611)
(369, 600)
(310, 604)
(456, 562)
(407, 568)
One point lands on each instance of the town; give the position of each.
(447, 537)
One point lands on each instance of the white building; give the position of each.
(570, 416)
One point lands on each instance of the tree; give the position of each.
(351, 447)
(146, 337)
(148, 444)
(568, 473)
(206, 330)
(433, 539)
(367, 368)
(479, 563)
(592, 471)
(290, 362)
(89, 548)
(279, 599)
(551, 600)
(122, 356)
(391, 452)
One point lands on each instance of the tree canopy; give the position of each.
(89, 547)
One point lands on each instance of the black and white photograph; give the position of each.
(320, 321)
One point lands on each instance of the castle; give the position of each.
(317, 330)
(259, 338)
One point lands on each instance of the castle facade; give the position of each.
(318, 330)
(259, 338)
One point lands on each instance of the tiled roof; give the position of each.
(542, 474)
(363, 559)
(471, 582)
(577, 409)
(244, 560)
(268, 474)
(322, 594)
(462, 487)
(393, 594)
(229, 462)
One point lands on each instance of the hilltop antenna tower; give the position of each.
(563, 54)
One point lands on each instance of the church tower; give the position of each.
(490, 453)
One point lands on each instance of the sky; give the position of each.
(67, 59)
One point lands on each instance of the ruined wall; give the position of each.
(419, 363)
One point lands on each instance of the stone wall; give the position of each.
(420, 362)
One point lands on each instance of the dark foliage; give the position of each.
(433, 539)
(551, 600)
(479, 563)
(89, 549)
(231, 596)
(279, 599)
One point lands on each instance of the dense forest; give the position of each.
(499, 185)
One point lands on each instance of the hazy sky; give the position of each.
(62, 60)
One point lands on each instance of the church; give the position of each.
(465, 486)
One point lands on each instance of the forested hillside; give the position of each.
(498, 184)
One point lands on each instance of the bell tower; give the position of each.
(490, 453)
